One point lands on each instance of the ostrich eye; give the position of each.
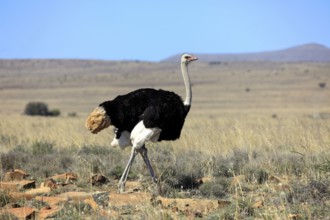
(187, 57)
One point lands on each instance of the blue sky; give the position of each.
(153, 30)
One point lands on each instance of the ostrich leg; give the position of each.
(144, 153)
(122, 181)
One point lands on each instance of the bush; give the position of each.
(40, 108)
(54, 112)
(72, 114)
(315, 192)
(322, 84)
(218, 188)
(36, 108)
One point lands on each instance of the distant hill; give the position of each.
(308, 52)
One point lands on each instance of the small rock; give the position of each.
(294, 216)
(50, 183)
(282, 187)
(51, 200)
(15, 175)
(92, 203)
(190, 206)
(48, 212)
(237, 180)
(98, 179)
(223, 203)
(204, 180)
(198, 214)
(22, 212)
(258, 204)
(65, 178)
(17, 185)
(76, 196)
(37, 191)
(12, 205)
(16, 196)
(102, 199)
(275, 179)
(175, 209)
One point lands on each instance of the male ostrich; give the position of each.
(143, 115)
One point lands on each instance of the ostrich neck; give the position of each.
(186, 79)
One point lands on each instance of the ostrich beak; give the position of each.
(192, 58)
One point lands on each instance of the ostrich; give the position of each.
(143, 115)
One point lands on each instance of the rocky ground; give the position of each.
(58, 196)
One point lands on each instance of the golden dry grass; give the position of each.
(271, 107)
(212, 135)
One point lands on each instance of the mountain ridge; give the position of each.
(312, 52)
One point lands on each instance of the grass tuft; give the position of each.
(4, 198)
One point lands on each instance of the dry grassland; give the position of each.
(272, 117)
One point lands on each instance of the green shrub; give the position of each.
(315, 192)
(40, 108)
(54, 112)
(217, 188)
(256, 174)
(36, 108)
(324, 166)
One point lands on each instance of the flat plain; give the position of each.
(258, 134)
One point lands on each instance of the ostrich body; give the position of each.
(143, 115)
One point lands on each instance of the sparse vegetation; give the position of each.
(263, 154)
(291, 175)
(4, 198)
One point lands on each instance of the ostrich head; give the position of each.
(98, 120)
(187, 58)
